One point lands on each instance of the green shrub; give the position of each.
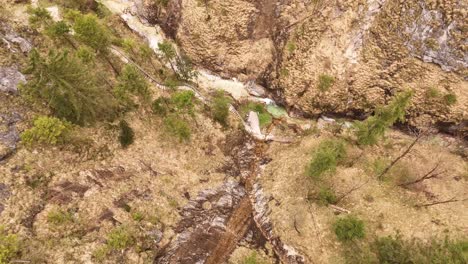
(131, 82)
(325, 158)
(396, 250)
(120, 238)
(89, 31)
(86, 54)
(369, 131)
(326, 196)
(9, 246)
(392, 250)
(59, 217)
(46, 130)
(432, 92)
(126, 136)
(69, 87)
(220, 108)
(58, 29)
(450, 99)
(39, 17)
(183, 102)
(161, 106)
(349, 228)
(264, 117)
(177, 127)
(325, 82)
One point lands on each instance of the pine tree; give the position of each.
(68, 87)
(369, 131)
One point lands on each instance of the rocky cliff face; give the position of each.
(370, 49)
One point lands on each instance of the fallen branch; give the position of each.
(410, 147)
(451, 200)
(427, 176)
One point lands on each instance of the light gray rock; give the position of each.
(9, 79)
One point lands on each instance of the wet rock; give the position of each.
(10, 78)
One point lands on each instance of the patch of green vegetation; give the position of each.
(377, 166)
(326, 196)
(264, 117)
(432, 93)
(59, 217)
(68, 87)
(86, 54)
(46, 130)
(291, 47)
(177, 127)
(220, 108)
(9, 246)
(177, 111)
(325, 158)
(100, 254)
(253, 258)
(132, 82)
(137, 216)
(126, 136)
(394, 249)
(284, 72)
(450, 99)
(349, 228)
(91, 32)
(120, 238)
(369, 131)
(325, 82)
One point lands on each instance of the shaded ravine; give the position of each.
(216, 220)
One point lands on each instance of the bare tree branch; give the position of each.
(429, 175)
(451, 200)
(410, 147)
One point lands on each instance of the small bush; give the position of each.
(89, 31)
(392, 250)
(126, 136)
(9, 246)
(349, 228)
(131, 82)
(450, 99)
(177, 127)
(264, 117)
(160, 106)
(120, 238)
(396, 250)
(326, 157)
(220, 108)
(46, 130)
(59, 217)
(369, 131)
(326, 196)
(325, 82)
(432, 92)
(86, 54)
(183, 102)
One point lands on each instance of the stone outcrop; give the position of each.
(372, 48)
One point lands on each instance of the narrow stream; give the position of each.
(216, 220)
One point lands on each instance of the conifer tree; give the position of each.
(369, 131)
(68, 87)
